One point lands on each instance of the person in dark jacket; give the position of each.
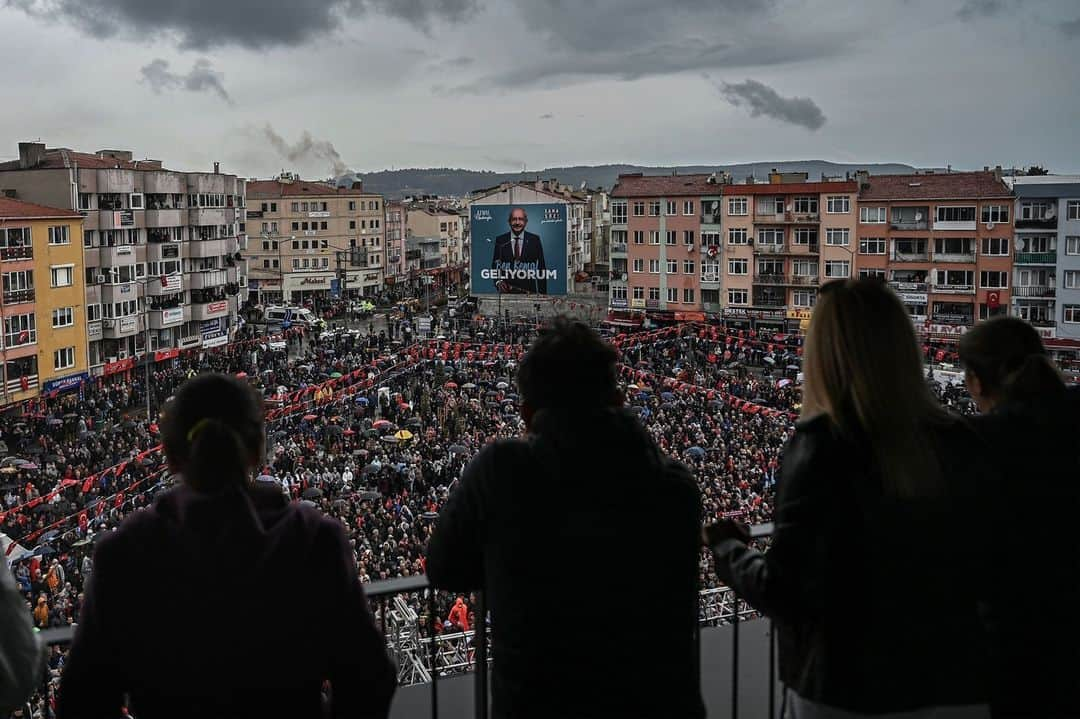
(556, 528)
(1031, 424)
(222, 600)
(871, 574)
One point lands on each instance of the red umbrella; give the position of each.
(380, 423)
(310, 417)
(241, 375)
(450, 385)
(349, 432)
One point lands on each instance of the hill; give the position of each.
(448, 181)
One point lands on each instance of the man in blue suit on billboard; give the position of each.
(519, 251)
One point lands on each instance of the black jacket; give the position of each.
(874, 598)
(586, 542)
(229, 605)
(532, 258)
(1033, 587)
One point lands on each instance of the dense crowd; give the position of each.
(376, 431)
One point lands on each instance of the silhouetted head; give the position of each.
(1004, 361)
(863, 369)
(568, 366)
(213, 431)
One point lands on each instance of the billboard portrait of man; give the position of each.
(518, 250)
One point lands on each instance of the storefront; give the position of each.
(739, 318)
(798, 320)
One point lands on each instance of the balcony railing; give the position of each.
(910, 256)
(710, 277)
(16, 385)
(1042, 223)
(779, 279)
(1036, 258)
(909, 225)
(618, 247)
(14, 297)
(770, 249)
(769, 302)
(945, 289)
(901, 286)
(787, 218)
(16, 253)
(1044, 291)
(966, 257)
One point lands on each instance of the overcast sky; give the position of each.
(497, 84)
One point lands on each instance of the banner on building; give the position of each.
(518, 249)
(172, 316)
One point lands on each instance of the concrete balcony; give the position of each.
(212, 216)
(17, 297)
(786, 280)
(121, 255)
(92, 256)
(959, 225)
(111, 181)
(119, 219)
(164, 183)
(122, 292)
(1035, 291)
(14, 254)
(1036, 258)
(209, 310)
(953, 289)
(909, 256)
(788, 218)
(161, 319)
(206, 248)
(164, 218)
(1042, 223)
(956, 257)
(711, 306)
(118, 327)
(209, 279)
(618, 248)
(171, 285)
(710, 281)
(910, 225)
(158, 251)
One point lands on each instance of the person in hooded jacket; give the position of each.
(159, 636)
(508, 529)
(1031, 423)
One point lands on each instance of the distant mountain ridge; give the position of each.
(449, 181)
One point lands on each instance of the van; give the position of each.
(298, 316)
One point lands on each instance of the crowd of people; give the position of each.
(375, 430)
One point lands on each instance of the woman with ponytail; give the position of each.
(222, 599)
(1031, 424)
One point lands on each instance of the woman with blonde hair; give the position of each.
(871, 575)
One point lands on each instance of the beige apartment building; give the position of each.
(312, 240)
(431, 221)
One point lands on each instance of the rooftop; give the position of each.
(17, 209)
(35, 156)
(639, 185)
(257, 189)
(791, 188)
(937, 186)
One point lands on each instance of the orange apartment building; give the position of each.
(781, 240)
(942, 241)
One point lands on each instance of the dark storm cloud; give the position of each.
(203, 24)
(1071, 28)
(201, 78)
(762, 100)
(307, 150)
(972, 9)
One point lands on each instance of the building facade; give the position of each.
(43, 302)
(161, 249)
(396, 218)
(943, 242)
(311, 241)
(428, 220)
(1046, 275)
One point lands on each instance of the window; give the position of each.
(296, 263)
(964, 279)
(273, 207)
(770, 268)
(59, 235)
(654, 267)
(135, 201)
(64, 358)
(672, 236)
(654, 293)
(1072, 209)
(995, 213)
(956, 214)
(639, 293)
(296, 206)
(1035, 211)
(710, 239)
(770, 236)
(872, 273)
(639, 209)
(996, 246)
(352, 205)
(654, 209)
(806, 205)
(872, 215)
(639, 265)
(618, 212)
(837, 268)
(838, 204)
(672, 267)
(1072, 280)
(639, 237)
(688, 267)
(688, 237)
(1071, 314)
(804, 268)
(737, 297)
(688, 207)
(687, 295)
(872, 246)
(93, 313)
(738, 267)
(838, 237)
(954, 246)
(19, 330)
(993, 280)
(803, 298)
(618, 293)
(736, 235)
(737, 206)
(1072, 245)
(84, 201)
(672, 208)
(296, 227)
(804, 236)
(63, 317)
(322, 225)
(62, 275)
(654, 237)
(672, 294)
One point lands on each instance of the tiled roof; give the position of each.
(943, 186)
(791, 188)
(17, 209)
(297, 188)
(664, 186)
(54, 160)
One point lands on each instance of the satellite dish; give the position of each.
(989, 225)
(624, 277)
(918, 217)
(1019, 245)
(1050, 213)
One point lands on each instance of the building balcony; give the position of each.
(206, 248)
(953, 289)
(164, 183)
(209, 310)
(761, 249)
(119, 327)
(1034, 291)
(121, 255)
(11, 254)
(209, 216)
(910, 286)
(15, 297)
(170, 286)
(769, 302)
(1036, 258)
(909, 256)
(910, 225)
(164, 318)
(957, 257)
(710, 280)
(209, 279)
(788, 280)
(711, 307)
(118, 219)
(618, 248)
(788, 218)
(959, 225)
(1044, 223)
(164, 218)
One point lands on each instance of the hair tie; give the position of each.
(196, 428)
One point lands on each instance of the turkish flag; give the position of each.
(993, 300)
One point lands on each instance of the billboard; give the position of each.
(518, 249)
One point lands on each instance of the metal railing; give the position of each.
(13, 297)
(16, 253)
(1036, 258)
(1045, 291)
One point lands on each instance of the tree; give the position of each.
(1037, 170)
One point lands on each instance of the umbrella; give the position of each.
(783, 383)
(38, 449)
(44, 550)
(3, 447)
(81, 542)
(10, 461)
(127, 424)
(308, 503)
(696, 452)
(241, 375)
(53, 422)
(501, 385)
(8, 470)
(667, 396)
(309, 417)
(265, 478)
(369, 469)
(71, 415)
(312, 493)
(362, 400)
(504, 380)
(429, 515)
(770, 360)
(794, 367)
(458, 449)
(335, 375)
(28, 465)
(450, 385)
(468, 385)
(50, 535)
(380, 423)
(389, 438)
(632, 386)
(147, 461)
(349, 432)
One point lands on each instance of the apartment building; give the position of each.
(781, 240)
(396, 217)
(596, 237)
(1046, 274)
(943, 241)
(432, 220)
(44, 344)
(312, 240)
(160, 249)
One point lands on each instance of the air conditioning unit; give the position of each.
(101, 279)
(110, 360)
